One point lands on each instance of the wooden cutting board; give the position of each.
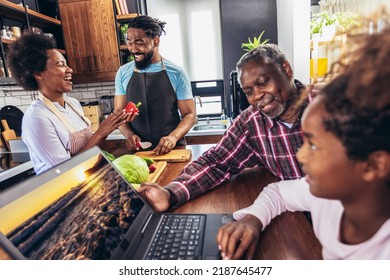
(172, 156)
(160, 167)
(8, 134)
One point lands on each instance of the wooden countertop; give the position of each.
(289, 236)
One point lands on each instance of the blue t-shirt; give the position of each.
(179, 78)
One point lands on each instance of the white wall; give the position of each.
(294, 35)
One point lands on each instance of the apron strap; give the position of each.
(81, 114)
(60, 115)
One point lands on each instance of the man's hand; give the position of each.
(166, 144)
(131, 142)
(157, 196)
(239, 239)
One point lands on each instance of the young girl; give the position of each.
(346, 159)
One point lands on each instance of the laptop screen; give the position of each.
(81, 209)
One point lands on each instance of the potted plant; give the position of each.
(326, 25)
(256, 42)
(124, 28)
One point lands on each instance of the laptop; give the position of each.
(85, 209)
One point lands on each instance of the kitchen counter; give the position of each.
(117, 135)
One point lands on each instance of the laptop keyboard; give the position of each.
(179, 237)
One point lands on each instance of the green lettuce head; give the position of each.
(133, 168)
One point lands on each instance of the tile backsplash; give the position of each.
(16, 96)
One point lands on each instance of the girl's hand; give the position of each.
(239, 239)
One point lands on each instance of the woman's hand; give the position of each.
(111, 123)
(166, 144)
(239, 239)
(157, 196)
(130, 116)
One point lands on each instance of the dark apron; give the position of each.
(158, 114)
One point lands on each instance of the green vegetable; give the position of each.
(109, 156)
(133, 168)
(149, 161)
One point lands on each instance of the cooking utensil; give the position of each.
(2, 144)
(13, 115)
(144, 145)
(173, 156)
(8, 134)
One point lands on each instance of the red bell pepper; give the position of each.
(132, 108)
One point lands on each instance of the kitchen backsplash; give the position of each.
(16, 96)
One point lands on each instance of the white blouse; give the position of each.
(46, 136)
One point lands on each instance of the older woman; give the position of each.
(54, 127)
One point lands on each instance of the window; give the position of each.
(193, 41)
(211, 95)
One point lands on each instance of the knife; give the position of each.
(144, 145)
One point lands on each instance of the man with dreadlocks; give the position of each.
(163, 88)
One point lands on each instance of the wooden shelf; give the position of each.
(43, 19)
(126, 17)
(17, 11)
(7, 41)
(124, 48)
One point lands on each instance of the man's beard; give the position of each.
(144, 62)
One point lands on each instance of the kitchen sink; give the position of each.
(198, 127)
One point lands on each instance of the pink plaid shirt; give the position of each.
(252, 140)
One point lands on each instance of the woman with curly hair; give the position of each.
(54, 127)
(346, 159)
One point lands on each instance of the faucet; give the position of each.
(200, 104)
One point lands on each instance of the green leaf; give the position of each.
(256, 42)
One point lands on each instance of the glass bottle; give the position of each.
(4, 33)
(224, 118)
(9, 33)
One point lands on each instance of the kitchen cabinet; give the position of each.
(94, 114)
(21, 16)
(90, 39)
